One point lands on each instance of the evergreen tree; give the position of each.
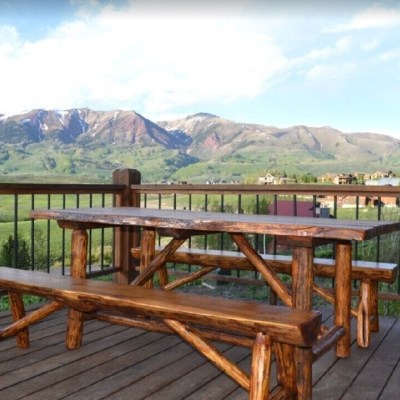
(15, 253)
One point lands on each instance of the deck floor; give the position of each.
(116, 362)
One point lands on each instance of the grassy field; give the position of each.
(23, 204)
(50, 243)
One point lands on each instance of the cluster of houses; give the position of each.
(273, 179)
(327, 202)
(376, 178)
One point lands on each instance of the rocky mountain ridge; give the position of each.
(214, 136)
(197, 139)
(68, 126)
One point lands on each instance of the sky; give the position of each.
(272, 62)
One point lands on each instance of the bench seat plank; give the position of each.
(323, 267)
(281, 323)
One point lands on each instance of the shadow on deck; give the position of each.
(116, 362)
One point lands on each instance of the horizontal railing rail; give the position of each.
(44, 188)
(305, 189)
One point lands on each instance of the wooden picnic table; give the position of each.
(303, 234)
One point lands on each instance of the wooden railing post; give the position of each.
(125, 237)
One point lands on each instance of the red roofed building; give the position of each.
(292, 208)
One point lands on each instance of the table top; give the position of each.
(324, 228)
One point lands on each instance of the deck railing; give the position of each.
(43, 245)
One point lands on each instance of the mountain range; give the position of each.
(88, 143)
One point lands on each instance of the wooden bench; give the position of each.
(368, 273)
(197, 319)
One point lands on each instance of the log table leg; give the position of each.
(302, 275)
(78, 270)
(302, 292)
(343, 296)
(149, 264)
(147, 252)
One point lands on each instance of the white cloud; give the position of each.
(375, 16)
(8, 39)
(120, 58)
(331, 74)
(341, 46)
(370, 44)
(390, 55)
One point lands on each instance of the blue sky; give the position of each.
(281, 62)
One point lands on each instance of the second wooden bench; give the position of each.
(369, 274)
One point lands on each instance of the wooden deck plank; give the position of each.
(196, 375)
(45, 336)
(51, 341)
(222, 386)
(93, 369)
(392, 388)
(56, 361)
(124, 363)
(340, 376)
(376, 375)
(149, 362)
(166, 375)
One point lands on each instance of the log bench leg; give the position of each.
(20, 326)
(374, 324)
(286, 368)
(74, 334)
(18, 312)
(294, 371)
(364, 313)
(260, 368)
(304, 360)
